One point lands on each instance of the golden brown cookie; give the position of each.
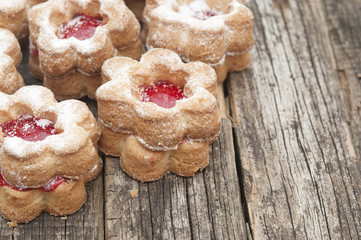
(10, 58)
(41, 138)
(64, 50)
(166, 107)
(146, 165)
(219, 33)
(13, 16)
(23, 205)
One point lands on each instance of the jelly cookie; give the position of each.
(71, 39)
(124, 106)
(41, 138)
(158, 106)
(219, 33)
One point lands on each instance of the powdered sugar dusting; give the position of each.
(156, 127)
(35, 98)
(198, 9)
(6, 39)
(84, 3)
(75, 131)
(12, 5)
(6, 102)
(205, 32)
(69, 116)
(20, 148)
(187, 13)
(43, 123)
(5, 62)
(70, 52)
(9, 58)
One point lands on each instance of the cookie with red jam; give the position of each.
(71, 39)
(41, 139)
(219, 33)
(158, 114)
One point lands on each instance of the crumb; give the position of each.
(64, 218)
(134, 193)
(12, 224)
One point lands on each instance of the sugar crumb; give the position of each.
(134, 193)
(12, 224)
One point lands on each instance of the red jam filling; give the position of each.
(29, 128)
(51, 186)
(81, 27)
(34, 51)
(204, 15)
(163, 93)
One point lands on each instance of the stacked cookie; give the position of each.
(48, 151)
(219, 33)
(71, 39)
(158, 114)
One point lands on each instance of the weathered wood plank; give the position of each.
(301, 172)
(5, 231)
(87, 223)
(344, 29)
(206, 206)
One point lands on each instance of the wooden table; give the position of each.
(287, 163)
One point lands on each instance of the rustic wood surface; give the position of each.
(206, 206)
(298, 140)
(287, 164)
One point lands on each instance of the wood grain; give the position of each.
(344, 29)
(299, 163)
(206, 206)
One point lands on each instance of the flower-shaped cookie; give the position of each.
(146, 165)
(59, 197)
(195, 116)
(69, 53)
(219, 33)
(41, 138)
(10, 58)
(13, 16)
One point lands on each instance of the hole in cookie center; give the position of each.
(205, 14)
(81, 27)
(51, 186)
(198, 9)
(163, 93)
(29, 128)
